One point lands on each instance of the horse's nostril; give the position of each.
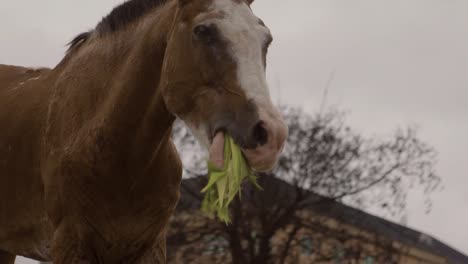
(260, 134)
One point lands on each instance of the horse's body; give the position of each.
(88, 173)
(123, 216)
(68, 169)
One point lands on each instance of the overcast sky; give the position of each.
(397, 63)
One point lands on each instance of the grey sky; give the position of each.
(397, 63)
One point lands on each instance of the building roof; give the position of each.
(191, 199)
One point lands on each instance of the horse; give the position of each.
(88, 170)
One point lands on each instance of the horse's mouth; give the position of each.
(260, 158)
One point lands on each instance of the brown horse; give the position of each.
(88, 171)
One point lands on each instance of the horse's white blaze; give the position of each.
(247, 37)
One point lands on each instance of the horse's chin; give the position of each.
(263, 158)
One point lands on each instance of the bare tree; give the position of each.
(324, 161)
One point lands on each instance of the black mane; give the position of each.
(120, 17)
(79, 39)
(125, 14)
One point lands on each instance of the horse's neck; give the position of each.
(137, 101)
(120, 73)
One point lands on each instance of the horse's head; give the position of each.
(214, 79)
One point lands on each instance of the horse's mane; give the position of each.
(120, 17)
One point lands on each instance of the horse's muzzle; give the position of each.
(261, 139)
(273, 134)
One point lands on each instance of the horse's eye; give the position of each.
(206, 33)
